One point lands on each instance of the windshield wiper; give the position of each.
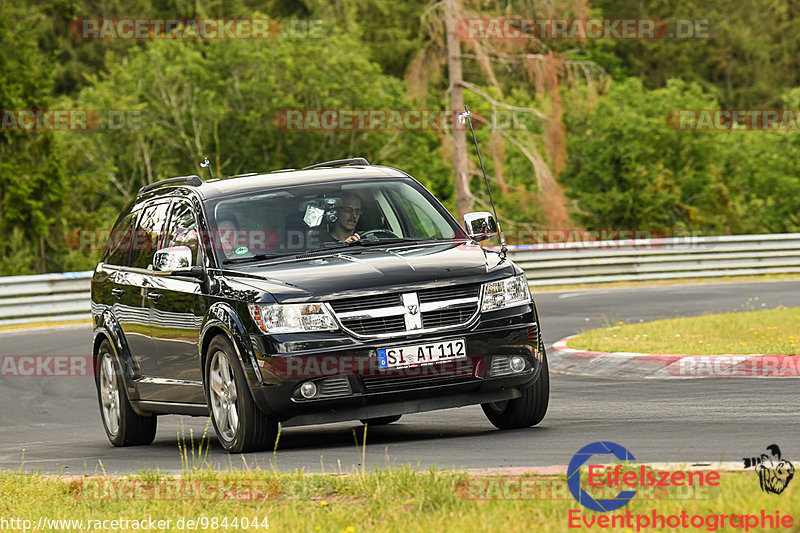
(362, 242)
(253, 258)
(337, 246)
(391, 241)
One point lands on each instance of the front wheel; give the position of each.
(239, 423)
(525, 411)
(124, 427)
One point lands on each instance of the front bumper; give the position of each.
(356, 388)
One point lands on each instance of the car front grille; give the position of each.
(449, 293)
(447, 317)
(397, 313)
(377, 326)
(366, 302)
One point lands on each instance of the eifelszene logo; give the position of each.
(574, 476)
(774, 472)
(632, 476)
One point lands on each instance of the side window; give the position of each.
(421, 215)
(182, 228)
(147, 237)
(422, 222)
(119, 242)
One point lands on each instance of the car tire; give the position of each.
(527, 410)
(240, 425)
(381, 421)
(123, 426)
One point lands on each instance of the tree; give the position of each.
(630, 169)
(750, 55)
(32, 178)
(544, 68)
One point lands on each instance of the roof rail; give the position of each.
(340, 163)
(192, 180)
(244, 175)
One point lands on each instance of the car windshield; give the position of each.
(303, 219)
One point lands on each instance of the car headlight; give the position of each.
(292, 318)
(505, 293)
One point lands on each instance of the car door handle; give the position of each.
(154, 296)
(119, 293)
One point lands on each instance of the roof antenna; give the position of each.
(464, 117)
(206, 164)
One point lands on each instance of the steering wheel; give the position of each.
(373, 234)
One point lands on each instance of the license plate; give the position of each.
(420, 354)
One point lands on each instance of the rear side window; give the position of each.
(183, 228)
(148, 235)
(119, 242)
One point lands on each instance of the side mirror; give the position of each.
(176, 260)
(480, 225)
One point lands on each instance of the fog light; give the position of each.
(308, 389)
(517, 363)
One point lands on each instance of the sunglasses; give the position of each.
(351, 211)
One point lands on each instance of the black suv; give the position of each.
(342, 291)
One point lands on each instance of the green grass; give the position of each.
(663, 282)
(773, 331)
(399, 499)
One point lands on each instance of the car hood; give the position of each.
(371, 270)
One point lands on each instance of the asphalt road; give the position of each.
(52, 424)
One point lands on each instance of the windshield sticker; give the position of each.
(241, 250)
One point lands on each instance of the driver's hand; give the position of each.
(353, 237)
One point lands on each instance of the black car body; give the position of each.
(274, 332)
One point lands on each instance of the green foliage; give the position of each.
(226, 101)
(32, 183)
(764, 172)
(750, 55)
(630, 169)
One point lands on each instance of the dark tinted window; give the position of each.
(303, 218)
(148, 236)
(119, 242)
(182, 228)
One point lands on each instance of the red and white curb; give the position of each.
(565, 360)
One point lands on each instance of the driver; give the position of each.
(344, 229)
(228, 237)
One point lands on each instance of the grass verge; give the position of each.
(398, 499)
(658, 283)
(772, 331)
(45, 325)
